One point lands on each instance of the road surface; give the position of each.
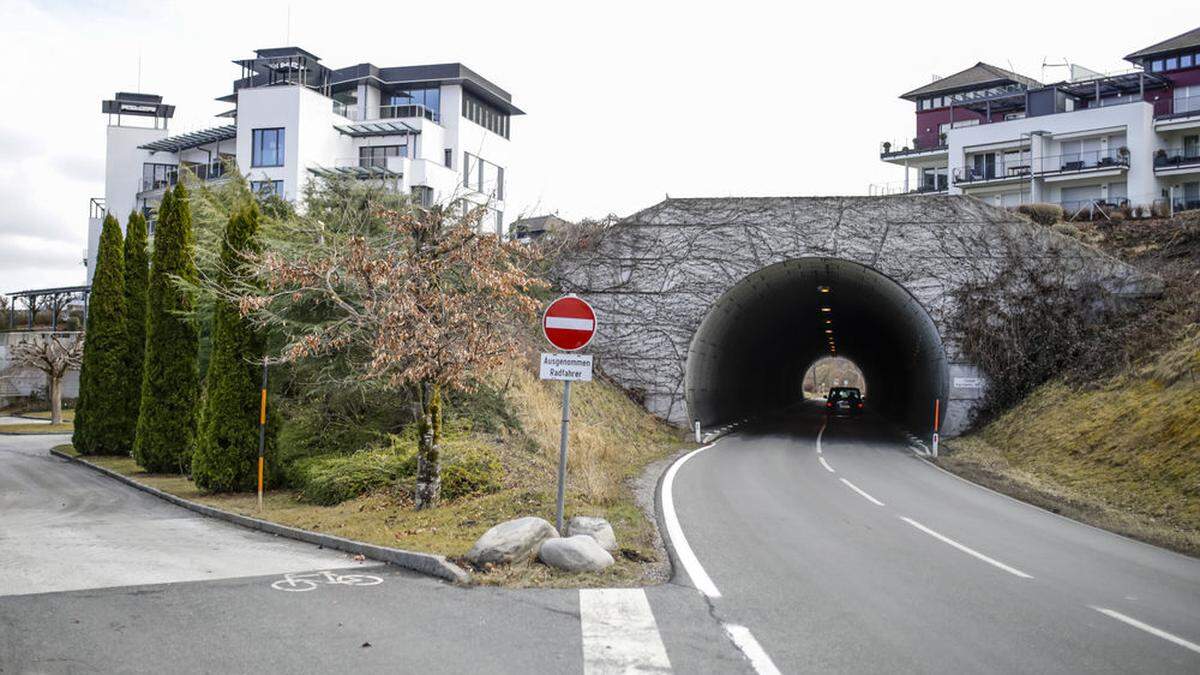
(851, 554)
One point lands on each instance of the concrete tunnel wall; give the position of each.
(751, 351)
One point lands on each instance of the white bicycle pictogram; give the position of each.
(310, 580)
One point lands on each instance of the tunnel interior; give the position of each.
(754, 346)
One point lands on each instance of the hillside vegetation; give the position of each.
(1120, 449)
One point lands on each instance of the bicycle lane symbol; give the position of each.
(310, 580)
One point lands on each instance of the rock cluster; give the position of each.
(586, 548)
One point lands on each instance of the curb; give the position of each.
(425, 563)
(32, 433)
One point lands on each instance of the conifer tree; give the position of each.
(227, 447)
(166, 429)
(101, 422)
(137, 278)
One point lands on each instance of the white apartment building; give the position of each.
(1091, 142)
(439, 132)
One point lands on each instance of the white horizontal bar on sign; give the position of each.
(568, 323)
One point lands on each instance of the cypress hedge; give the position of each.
(166, 428)
(137, 278)
(101, 413)
(227, 448)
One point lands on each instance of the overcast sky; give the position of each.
(626, 102)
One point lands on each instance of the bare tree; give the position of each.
(54, 356)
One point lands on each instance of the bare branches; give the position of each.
(54, 356)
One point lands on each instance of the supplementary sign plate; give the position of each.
(573, 367)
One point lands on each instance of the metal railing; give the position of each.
(387, 112)
(203, 172)
(910, 146)
(1171, 158)
(96, 208)
(345, 109)
(1088, 160)
(1180, 106)
(1092, 209)
(1000, 168)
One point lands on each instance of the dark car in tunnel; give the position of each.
(844, 401)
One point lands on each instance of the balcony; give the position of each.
(161, 180)
(1177, 160)
(1087, 162)
(916, 147)
(391, 168)
(1175, 112)
(387, 112)
(1000, 170)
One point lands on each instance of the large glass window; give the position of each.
(485, 115)
(429, 98)
(376, 155)
(1172, 63)
(266, 147)
(1185, 61)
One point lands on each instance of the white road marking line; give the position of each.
(821, 433)
(683, 551)
(866, 496)
(619, 633)
(1157, 632)
(569, 323)
(826, 465)
(741, 636)
(965, 549)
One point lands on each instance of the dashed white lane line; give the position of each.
(619, 633)
(826, 465)
(864, 495)
(741, 636)
(1157, 632)
(965, 549)
(683, 551)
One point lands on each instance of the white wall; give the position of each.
(123, 177)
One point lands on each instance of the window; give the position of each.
(267, 188)
(1185, 61)
(449, 158)
(155, 176)
(500, 183)
(1172, 63)
(375, 156)
(266, 147)
(422, 195)
(400, 104)
(485, 115)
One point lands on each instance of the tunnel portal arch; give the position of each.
(755, 343)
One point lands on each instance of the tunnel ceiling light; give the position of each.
(826, 309)
(823, 289)
(828, 330)
(829, 321)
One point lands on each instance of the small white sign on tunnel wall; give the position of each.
(968, 383)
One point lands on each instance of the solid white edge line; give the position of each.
(683, 551)
(1157, 632)
(826, 465)
(741, 636)
(966, 549)
(820, 433)
(866, 496)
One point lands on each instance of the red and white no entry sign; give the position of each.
(569, 323)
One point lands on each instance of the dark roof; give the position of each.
(971, 78)
(435, 73)
(538, 223)
(192, 140)
(1182, 41)
(273, 52)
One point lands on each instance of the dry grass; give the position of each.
(68, 415)
(612, 439)
(1123, 453)
(35, 428)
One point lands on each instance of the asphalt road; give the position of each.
(98, 577)
(862, 557)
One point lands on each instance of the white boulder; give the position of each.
(596, 528)
(511, 541)
(579, 553)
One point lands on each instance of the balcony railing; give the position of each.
(387, 112)
(910, 147)
(1181, 106)
(203, 172)
(1090, 160)
(1173, 158)
(1001, 168)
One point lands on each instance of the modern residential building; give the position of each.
(439, 132)
(1092, 141)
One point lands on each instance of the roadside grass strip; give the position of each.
(619, 633)
(1156, 632)
(966, 549)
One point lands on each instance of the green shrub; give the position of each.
(226, 453)
(166, 429)
(1042, 214)
(101, 419)
(331, 479)
(473, 472)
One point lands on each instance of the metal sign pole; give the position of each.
(262, 433)
(562, 455)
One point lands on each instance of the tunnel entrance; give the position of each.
(755, 344)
